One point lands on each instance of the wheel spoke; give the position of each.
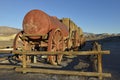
(20, 43)
(53, 49)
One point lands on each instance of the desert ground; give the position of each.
(111, 64)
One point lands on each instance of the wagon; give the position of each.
(42, 32)
(50, 37)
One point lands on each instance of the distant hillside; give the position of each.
(92, 36)
(4, 30)
(7, 37)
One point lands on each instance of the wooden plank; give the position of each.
(62, 72)
(24, 61)
(24, 56)
(65, 53)
(2, 58)
(5, 51)
(7, 66)
(35, 35)
(99, 62)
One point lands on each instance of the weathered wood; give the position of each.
(7, 66)
(24, 56)
(34, 59)
(62, 72)
(2, 58)
(59, 52)
(5, 51)
(99, 62)
(24, 61)
(35, 35)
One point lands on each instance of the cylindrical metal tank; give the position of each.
(38, 22)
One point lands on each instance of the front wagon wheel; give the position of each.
(55, 43)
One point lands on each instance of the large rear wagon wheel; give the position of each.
(55, 43)
(18, 41)
(18, 44)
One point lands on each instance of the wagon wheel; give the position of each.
(17, 45)
(18, 41)
(55, 43)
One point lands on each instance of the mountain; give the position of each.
(92, 36)
(4, 30)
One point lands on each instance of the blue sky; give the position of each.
(95, 16)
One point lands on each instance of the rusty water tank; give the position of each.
(38, 22)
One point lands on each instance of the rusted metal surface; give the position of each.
(38, 22)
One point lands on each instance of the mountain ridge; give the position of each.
(5, 30)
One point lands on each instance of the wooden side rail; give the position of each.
(35, 35)
(63, 72)
(59, 52)
(2, 51)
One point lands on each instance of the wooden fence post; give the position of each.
(100, 62)
(34, 59)
(24, 64)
